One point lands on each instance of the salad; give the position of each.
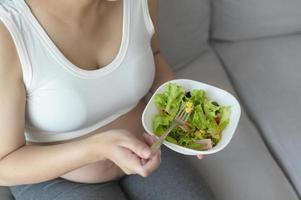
(207, 120)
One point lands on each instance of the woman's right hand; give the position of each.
(127, 151)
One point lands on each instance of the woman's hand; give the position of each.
(132, 155)
(200, 156)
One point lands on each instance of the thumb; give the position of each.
(138, 147)
(149, 139)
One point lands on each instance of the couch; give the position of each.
(251, 48)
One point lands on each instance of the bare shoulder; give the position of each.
(9, 59)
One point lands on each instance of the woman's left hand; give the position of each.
(200, 156)
(149, 139)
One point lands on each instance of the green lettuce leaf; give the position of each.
(196, 146)
(197, 96)
(161, 123)
(174, 94)
(214, 131)
(160, 100)
(225, 117)
(170, 100)
(185, 141)
(210, 109)
(199, 118)
(172, 140)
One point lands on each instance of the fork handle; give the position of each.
(159, 142)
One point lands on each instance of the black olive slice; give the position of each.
(188, 94)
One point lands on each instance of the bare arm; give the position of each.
(34, 164)
(20, 164)
(163, 70)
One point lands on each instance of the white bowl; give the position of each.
(223, 97)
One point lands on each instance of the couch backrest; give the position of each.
(248, 19)
(183, 29)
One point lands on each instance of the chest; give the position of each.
(62, 102)
(91, 42)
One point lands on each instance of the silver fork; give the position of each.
(180, 119)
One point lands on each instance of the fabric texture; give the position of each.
(267, 76)
(234, 20)
(61, 189)
(183, 28)
(244, 169)
(175, 179)
(5, 194)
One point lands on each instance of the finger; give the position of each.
(146, 139)
(151, 164)
(138, 147)
(132, 163)
(154, 153)
(154, 138)
(149, 139)
(200, 156)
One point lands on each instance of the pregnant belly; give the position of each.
(106, 170)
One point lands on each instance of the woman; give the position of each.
(74, 75)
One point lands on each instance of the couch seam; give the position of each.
(254, 38)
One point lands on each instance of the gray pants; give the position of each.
(174, 179)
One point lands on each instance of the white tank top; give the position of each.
(65, 101)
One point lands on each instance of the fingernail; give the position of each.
(146, 152)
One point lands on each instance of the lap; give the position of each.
(174, 179)
(61, 189)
